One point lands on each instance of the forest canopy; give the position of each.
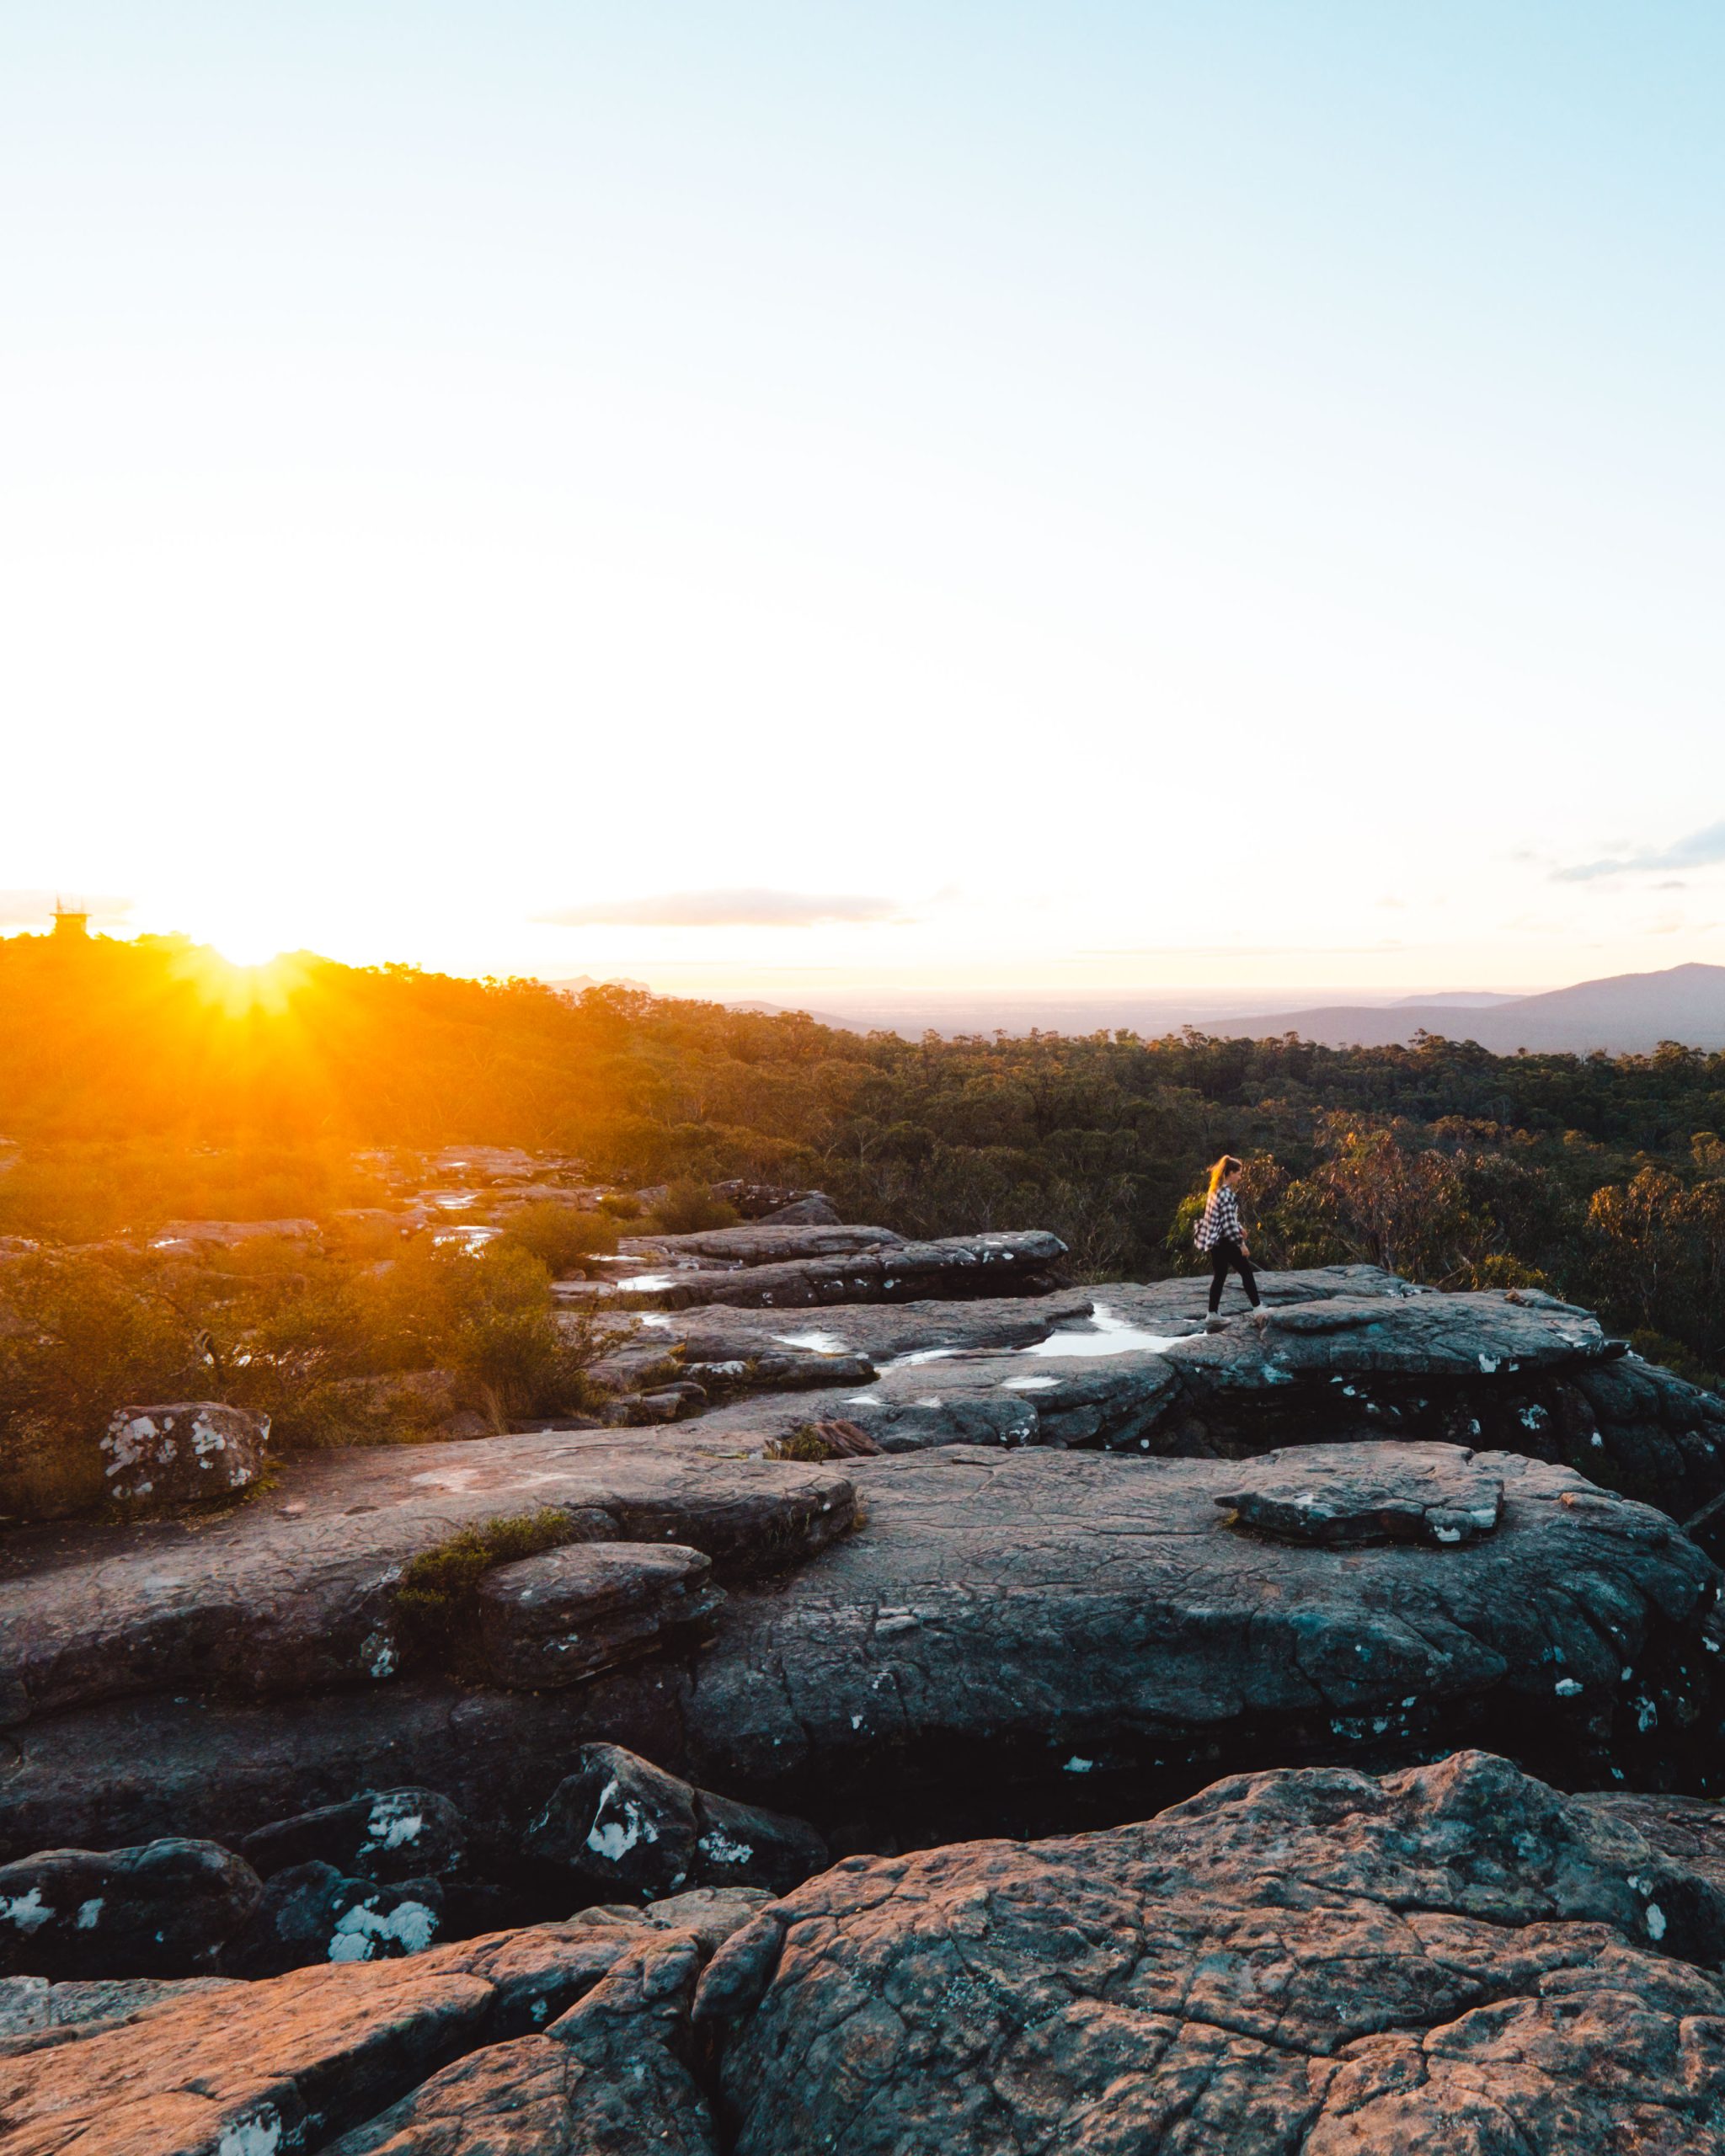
(148, 1080)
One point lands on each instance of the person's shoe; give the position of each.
(1214, 1323)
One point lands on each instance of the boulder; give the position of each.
(619, 1824)
(387, 1834)
(817, 1210)
(310, 1913)
(189, 1453)
(1453, 1957)
(559, 1617)
(761, 1201)
(161, 1910)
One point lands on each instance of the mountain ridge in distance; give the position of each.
(1621, 1014)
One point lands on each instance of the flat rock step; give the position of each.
(1418, 1493)
(1024, 1264)
(301, 1596)
(1018, 1615)
(759, 1243)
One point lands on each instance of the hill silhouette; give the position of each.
(1622, 1014)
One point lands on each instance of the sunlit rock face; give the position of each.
(1317, 1959)
(1454, 1957)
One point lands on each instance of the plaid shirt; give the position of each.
(1220, 1223)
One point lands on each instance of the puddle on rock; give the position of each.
(817, 1343)
(1106, 1335)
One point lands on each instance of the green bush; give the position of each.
(560, 1236)
(333, 1350)
(688, 1206)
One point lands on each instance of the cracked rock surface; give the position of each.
(294, 2063)
(1453, 1958)
(1013, 1638)
(1068, 1618)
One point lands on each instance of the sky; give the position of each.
(782, 500)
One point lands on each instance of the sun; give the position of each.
(237, 987)
(247, 948)
(247, 937)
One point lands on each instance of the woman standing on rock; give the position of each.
(1220, 1232)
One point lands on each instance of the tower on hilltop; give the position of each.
(69, 922)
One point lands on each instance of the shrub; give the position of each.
(804, 1442)
(1681, 1361)
(560, 1236)
(688, 1206)
(333, 1351)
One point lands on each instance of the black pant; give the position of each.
(1222, 1256)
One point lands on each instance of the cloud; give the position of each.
(735, 909)
(1700, 850)
(33, 908)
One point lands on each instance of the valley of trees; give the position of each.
(146, 1080)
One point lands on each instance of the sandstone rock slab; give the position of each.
(297, 2060)
(762, 1242)
(1454, 1957)
(35, 2008)
(1088, 1625)
(1015, 1639)
(955, 1267)
(613, 2074)
(1414, 1493)
(568, 1613)
(265, 1604)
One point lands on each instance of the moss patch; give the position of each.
(436, 1593)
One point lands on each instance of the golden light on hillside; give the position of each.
(239, 990)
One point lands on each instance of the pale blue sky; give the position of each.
(964, 473)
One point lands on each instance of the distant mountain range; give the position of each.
(1625, 1014)
(586, 980)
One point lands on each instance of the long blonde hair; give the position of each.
(1225, 1166)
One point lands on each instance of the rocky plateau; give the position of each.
(967, 1712)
